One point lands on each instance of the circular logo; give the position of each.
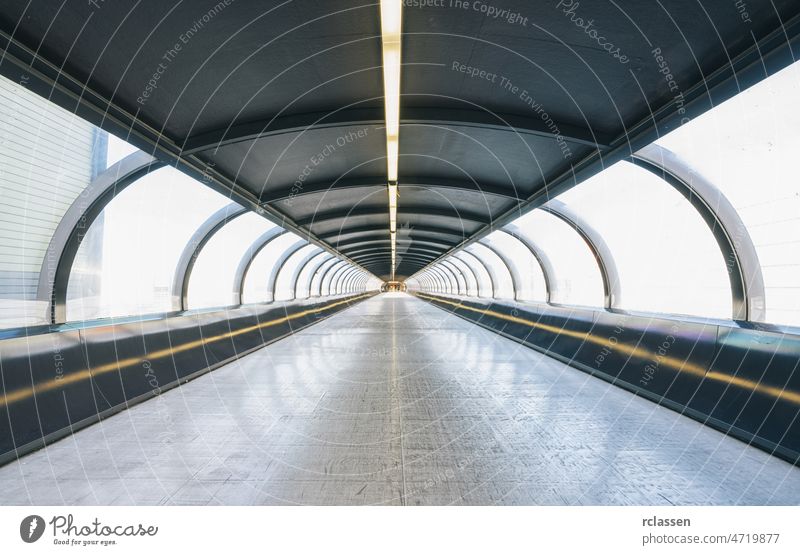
(31, 528)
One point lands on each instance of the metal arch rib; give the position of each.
(321, 271)
(333, 286)
(602, 254)
(734, 241)
(63, 246)
(460, 278)
(246, 261)
(548, 273)
(488, 273)
(323, 256)
(280, 262)
(325, 282)
(201, 236)
(471, 273)
(489, 268)
(516, 276)
(446, 283)
(313, 253)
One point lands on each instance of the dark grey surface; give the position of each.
(397, 402)
(282, 87)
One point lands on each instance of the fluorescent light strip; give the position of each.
(391, 24)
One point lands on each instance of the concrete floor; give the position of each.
(396, 402)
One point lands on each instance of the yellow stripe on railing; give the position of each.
(80, 375)
(637, 352)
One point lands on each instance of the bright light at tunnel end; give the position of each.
(391, 24)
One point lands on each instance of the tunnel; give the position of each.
(399, 253)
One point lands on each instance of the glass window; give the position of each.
(748, 147)
(577, 280)
(256, 282)
(285, 285)
(456, 273)
(533, 286)
(126, 262)
(211, 283)
(472, 283)
(485, 286)
(48, 156)
(501, 277)
(304, 279)
(666, 256)
(316, 282)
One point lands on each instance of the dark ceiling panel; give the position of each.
(304, 70)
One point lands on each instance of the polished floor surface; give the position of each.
(395, 401)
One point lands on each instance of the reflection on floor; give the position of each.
(396, 402)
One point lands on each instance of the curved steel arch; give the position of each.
(199, 239)
(247, 259)
(344, 279)
(459, 263)
(73, 226)
(336, 281)
(432, 284)
(299, 268)
(450, 280)
(319, 276)
(598, 247)
(349, 285)
(280, 262)
(462, 282)
(443, 280)
(734, 241)
(329, 275)
(314, 265)
(495, 277)
(548, 273)
(488, 273)
(517, 280)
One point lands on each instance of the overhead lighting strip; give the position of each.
(391, 25)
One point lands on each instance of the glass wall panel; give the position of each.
(127, 260)
(304, 279)
(666, 256)
(285, 286)
(577, 280)
(485, 287)
(748, 147)
(533, 285)
(48, 156)
(256, 282)
(316, 281)
(501, 277)
(211, 284)
(472, 283)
